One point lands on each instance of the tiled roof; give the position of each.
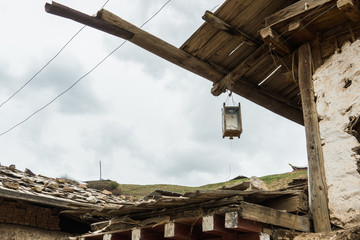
(58, 192)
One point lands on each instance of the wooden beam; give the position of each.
(110, 236)
(180, 231)
(223, 26)
(317, 181)
(271, 216)
(145, 40)
(300, 30)
(186, 61)
(250, 236)
(275, 41)
(293, 10)
(214, 224)
(228, 81)
(350, 8)
(60, 10)
(144, 234)
(233, 220)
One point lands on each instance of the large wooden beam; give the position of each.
(233, 220)
(271, 216)
(317, 182)
(224, 26)
(180, 231)
(350, 8)
(293, 10)
(181, 58)
(275, 41)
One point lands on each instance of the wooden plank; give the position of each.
(271, 216)
(234, 221)
(223, 26)
(350, 8)
(110, 236)
(293, 10)
(275, 41)
(317, 181)
(180, 231)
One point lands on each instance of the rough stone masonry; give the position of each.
(337, 92)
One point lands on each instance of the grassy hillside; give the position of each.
(273, 182)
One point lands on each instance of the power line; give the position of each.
(41, 69)
(47, 63)
(82, 77)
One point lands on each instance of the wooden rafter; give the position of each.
(180, 58)
(226, 27)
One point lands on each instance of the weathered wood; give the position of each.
(234, 221)
(191, 63)
(293, 10)
(275, 41)
(301, 30)
(317, 181)
(214, 224)
(350, 8)
(249, 236)
(292, 204)
(180, 231)
(145, 234)
(316, 52)
(223, 26)
(228, 81)
(271, 216)
(110, 236)
(61, 10)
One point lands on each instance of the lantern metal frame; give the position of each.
(231, 121)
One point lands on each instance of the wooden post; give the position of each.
(317, 184)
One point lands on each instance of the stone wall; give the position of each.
(19, 232)
(337, 91)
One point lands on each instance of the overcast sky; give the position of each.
(147, 120)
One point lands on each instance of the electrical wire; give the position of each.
(41, 69)
(82, 77)
(47, 63)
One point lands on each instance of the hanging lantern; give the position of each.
(232, 126)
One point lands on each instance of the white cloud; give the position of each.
(146, 119)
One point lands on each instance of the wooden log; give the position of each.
(234, 221)
(350, 8)
(180, 231)
(271, 216)
(224, 26)
(275, 41)
(317, 181)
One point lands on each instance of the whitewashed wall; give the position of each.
(337, 88)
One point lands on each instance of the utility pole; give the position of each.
(100, 170)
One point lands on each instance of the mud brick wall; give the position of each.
(22, 213)
(337, 91)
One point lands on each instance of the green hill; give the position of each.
(273, 182)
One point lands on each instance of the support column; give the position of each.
(317, 183)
